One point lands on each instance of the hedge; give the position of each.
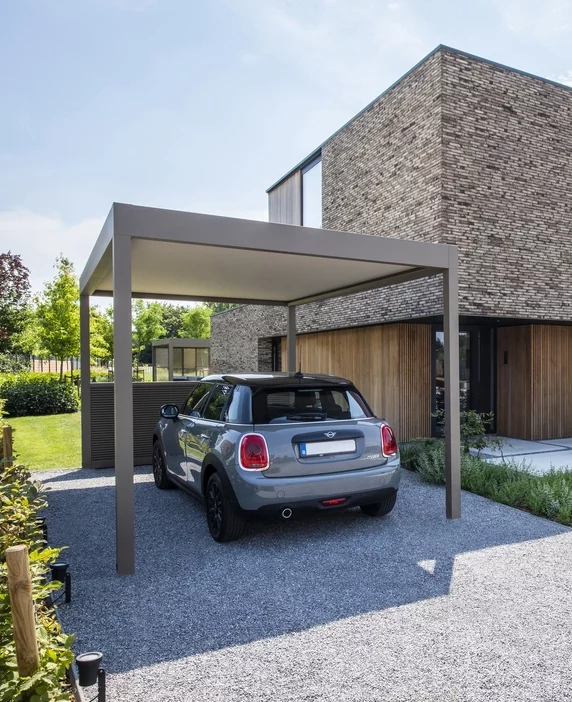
(20, 501)
(36, 394)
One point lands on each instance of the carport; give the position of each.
(145, 252)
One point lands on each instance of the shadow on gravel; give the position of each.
(191, 595)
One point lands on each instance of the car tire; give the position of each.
(223, 519)
(379, 509)
(159, 470)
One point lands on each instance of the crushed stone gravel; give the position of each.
(325, 607)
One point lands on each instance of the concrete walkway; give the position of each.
(534, 456)
(330, 607)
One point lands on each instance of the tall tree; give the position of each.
(172, 318)
(101, 333)
(147, 325)
(196, 323)
(57, 313)
(14, 298)
(220, 306)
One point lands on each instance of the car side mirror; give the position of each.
(169, 411)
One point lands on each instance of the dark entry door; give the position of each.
(476, 371)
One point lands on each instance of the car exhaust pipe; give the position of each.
(286, 513)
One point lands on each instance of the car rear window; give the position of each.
(283, 405)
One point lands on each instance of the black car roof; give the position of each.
(278, 379)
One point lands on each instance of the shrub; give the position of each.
(20, 501)
(10, 363)
(548, 495)
(36, 394)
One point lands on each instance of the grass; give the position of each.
(52, 441)
(548, 495)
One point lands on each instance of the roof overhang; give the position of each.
(187, 256)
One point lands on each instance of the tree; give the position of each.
(57, 313)
(147, 325)
(196, 323)
(172, 318)
(220, 306)
(14, 298)
(101, 333)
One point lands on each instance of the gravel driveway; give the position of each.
(328, 607)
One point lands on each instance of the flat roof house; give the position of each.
(461, 151)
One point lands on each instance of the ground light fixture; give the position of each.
(60, 575)
(90, 672)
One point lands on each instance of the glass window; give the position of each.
(464, 374)
(203, 362)
(199, 393)
(177, 361)
(190, 362)
(312, 195)
(217, 401)
(277, 405)
(161, 363)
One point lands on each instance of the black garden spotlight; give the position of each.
(90, 672)
(60, 575)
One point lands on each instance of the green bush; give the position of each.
(14, 363)
(548, 495)
(36, 394)
(20, 501)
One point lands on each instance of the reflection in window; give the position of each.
(312, 195)
(464, 373)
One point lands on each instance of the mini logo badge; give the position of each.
(330, 434)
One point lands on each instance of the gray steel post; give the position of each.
(291, 340)
(85, 381)
(452, 410)
(170, 357)
(123, 406)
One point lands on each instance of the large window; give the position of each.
(312, 194)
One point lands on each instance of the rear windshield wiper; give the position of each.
(307, 417)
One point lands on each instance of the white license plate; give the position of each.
(326, 448)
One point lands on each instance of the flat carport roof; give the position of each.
(145, 252)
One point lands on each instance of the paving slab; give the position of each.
(541, 463)
(516, 447)
(564, 443)
(329, 607)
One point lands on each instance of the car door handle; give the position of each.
(204, 436)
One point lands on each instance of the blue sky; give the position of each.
(203, 105)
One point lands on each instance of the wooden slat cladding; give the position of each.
(514, 391)
(551, 382)
(390, 364)
(285, 201)
(147, 401)
(535, 384)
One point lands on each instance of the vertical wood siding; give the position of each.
(285, 201)
(389, 364)
(514, 392)
(534, 398)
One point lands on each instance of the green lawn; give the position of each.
(53, 441)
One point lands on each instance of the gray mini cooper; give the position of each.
(276, 444)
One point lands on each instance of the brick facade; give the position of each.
(459, 151)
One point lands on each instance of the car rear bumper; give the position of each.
(257, 494)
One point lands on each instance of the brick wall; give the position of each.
(460, 151)
(507, 184)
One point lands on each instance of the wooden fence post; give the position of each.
(22, 606)
(7, 444)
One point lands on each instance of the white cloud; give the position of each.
(352, 45)
(543, 21)
(565, 78)
(39, 239)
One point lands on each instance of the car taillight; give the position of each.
(388, 442)
(254, 452)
